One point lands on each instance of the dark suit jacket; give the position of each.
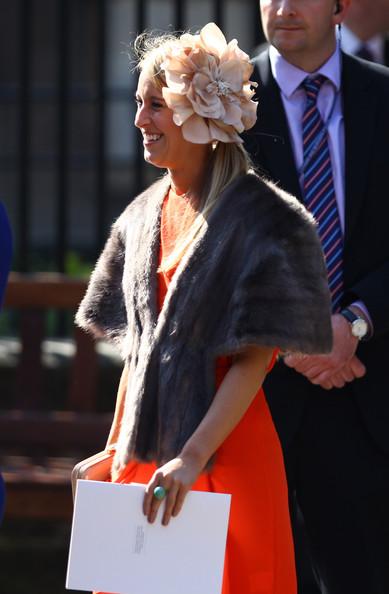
(365, 92)
(386, 51)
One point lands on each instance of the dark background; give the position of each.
(70, 158)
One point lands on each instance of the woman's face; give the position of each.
(164, 145)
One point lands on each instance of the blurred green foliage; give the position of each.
(76, 266)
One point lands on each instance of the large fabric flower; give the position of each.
(208, 87)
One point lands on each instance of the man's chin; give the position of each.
(288, 41)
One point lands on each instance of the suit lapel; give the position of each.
(269, 140)
(359, 108)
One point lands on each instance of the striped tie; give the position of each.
(318, 188)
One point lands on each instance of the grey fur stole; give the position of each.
(255, 275)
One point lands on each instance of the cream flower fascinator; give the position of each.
(208, 87)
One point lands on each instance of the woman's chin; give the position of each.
(153, 159)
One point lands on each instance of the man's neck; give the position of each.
(309, 62)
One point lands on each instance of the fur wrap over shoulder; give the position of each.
(255, 275)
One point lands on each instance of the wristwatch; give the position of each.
(359, 326)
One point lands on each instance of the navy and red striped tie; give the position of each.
(319, 190)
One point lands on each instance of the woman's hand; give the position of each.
(231, 401)
(176, 477)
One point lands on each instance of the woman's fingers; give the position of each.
(173, 502)
(156, 503)
(172, 481)
(180, 500)
(170, 503)
(149, 499)
(151, 503)
(154, 507)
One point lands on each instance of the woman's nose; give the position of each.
(141, 117)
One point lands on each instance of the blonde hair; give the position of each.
(229, 160)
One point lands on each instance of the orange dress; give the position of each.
(249, 465)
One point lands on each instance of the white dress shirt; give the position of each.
(329, 103)
(289, 79)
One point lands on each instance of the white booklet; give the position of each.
(114, 549)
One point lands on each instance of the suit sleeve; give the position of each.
(373, 290)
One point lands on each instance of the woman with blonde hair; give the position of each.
(205, 276)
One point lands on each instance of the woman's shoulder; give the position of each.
(259, 199)
(151, 197)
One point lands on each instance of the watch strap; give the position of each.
(349, 315)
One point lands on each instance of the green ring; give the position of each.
(160, 493)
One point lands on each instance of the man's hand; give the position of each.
(338, 367)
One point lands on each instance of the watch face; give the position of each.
(359, 328)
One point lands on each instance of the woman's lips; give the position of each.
(151, 138)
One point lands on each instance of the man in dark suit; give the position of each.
(365, 30)
(332, 411)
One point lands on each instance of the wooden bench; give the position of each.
(40, 442)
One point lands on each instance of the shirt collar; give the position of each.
(290, 77)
